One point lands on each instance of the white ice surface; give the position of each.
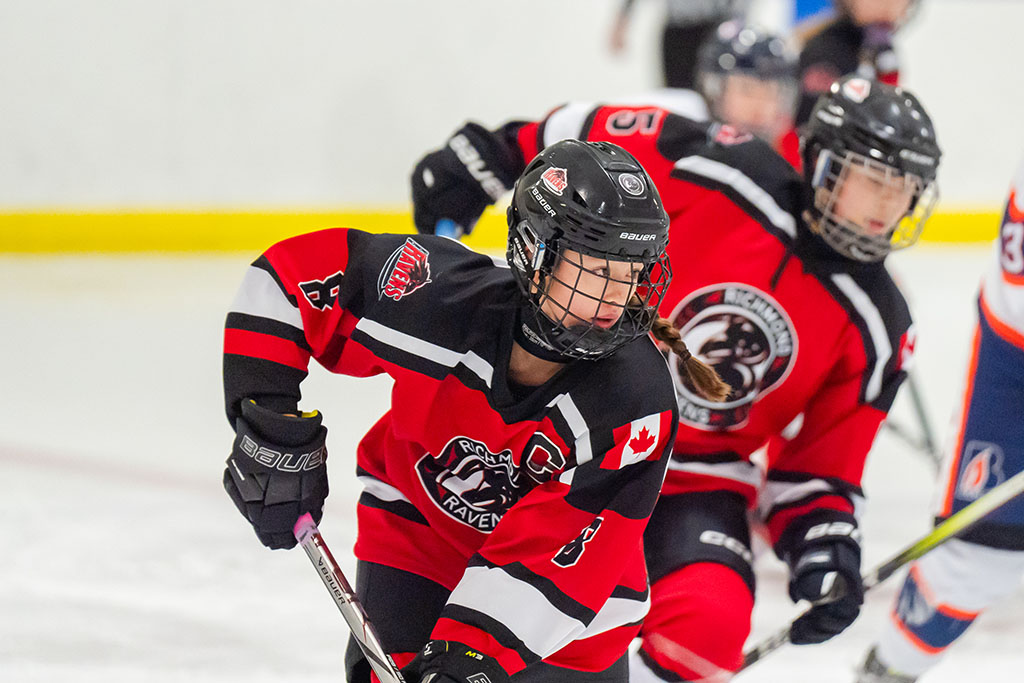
(121, 559)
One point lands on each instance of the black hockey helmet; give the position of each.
(579, 212)
(879, 129)
(739, 49)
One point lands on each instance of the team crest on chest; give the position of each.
(470, 483)
(477, 486)
(746, 336)
(406, 270)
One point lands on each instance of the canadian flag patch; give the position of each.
(639, 440)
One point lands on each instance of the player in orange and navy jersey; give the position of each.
(791, 302)
(949, 587)
(507, 488)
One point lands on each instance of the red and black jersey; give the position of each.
(813, 344)
(530, 505)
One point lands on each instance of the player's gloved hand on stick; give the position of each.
(457, 182)
(446, 661)
(277, 471)
(823, 554)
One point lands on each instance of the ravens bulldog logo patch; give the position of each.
(746, 336)
(406, 270)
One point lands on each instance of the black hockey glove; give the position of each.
(277, 471)
(473, 170)
(823, 554)
(445, 661)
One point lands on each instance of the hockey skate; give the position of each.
(874, 671)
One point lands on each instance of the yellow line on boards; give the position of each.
(226, 231)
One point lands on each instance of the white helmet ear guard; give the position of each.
(821, 168)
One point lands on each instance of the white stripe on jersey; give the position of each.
(743, 472)
(776, 493)
(260, 296)
(580, 430)
(614, 613)
(378, 489)
(517, 605)
(528, 614)
(1006, 300)
(567, 122)
(742, 184)
(425, 349)
(876, 328)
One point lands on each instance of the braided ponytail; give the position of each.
(704, 379)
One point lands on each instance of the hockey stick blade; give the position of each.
(308, 536)
(953, 526)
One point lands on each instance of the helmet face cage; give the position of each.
(727, 93)
(869, 242)
(566, 297)
(745, 73)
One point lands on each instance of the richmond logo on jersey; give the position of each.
(476, 486)
(406, 270)
(746, 336)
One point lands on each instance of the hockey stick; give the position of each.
(345, 598)
(927, 433)
(926, 441)
(954, 525)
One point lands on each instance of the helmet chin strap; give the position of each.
(532, 340)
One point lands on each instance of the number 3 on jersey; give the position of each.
(572, 551)
(1011, 255)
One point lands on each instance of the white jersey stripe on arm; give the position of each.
(876, 329)
(742, 184)
(578, 425)
(520, 607)
(424, 349)
(566, 123)
(776, 493)
(381, 491)
(614, 613)
(1003, 298)
(261, 296)
(743, 472)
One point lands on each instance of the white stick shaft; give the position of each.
(344, 597)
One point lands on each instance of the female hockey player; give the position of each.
(947, 589)
(507, 489)
(790, 301)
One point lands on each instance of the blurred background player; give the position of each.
(505, 496)
(948, 588)
(688, 23)
(747, 76)
(859, 39)
(791, 303)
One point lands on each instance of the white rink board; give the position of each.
(123, 560)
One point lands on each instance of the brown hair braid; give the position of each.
(704, 379)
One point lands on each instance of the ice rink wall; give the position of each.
(187, 125)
